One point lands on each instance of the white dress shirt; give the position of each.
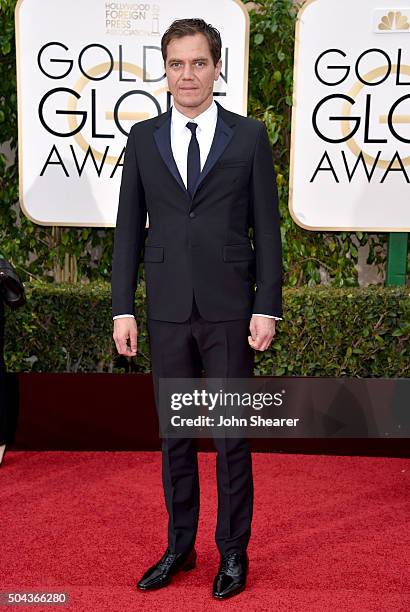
(181, 136)
(180, 139)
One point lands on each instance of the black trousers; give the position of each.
(182, 350)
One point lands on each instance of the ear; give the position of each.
(218, 68)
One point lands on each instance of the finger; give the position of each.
(262, 339)
(117, 345)
(121, 344)
(255, 333)
(123, 347)
(252, 329)
(267, 338)
(129, 352)
(255, 344)
(265, 341)
(268, 341)
(133, 341)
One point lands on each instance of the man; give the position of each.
(205, 176)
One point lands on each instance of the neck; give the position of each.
(194, 111)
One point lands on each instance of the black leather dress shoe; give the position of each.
(160, 574)
(231, 577)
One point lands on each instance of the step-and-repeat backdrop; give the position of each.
(350, 154)
(86, 72)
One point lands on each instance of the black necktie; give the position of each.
(193, 162)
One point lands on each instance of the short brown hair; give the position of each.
(189, 27)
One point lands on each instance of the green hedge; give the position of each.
(359, 332)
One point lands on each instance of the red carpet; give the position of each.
(330, 533)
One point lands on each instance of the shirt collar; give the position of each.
(206, 118)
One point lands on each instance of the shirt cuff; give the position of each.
(123, 316)
(268, 316)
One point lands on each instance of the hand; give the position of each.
(262, 331)
(124, 329)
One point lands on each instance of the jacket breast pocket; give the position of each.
(237, 252)
(154, 254)
(231, 163)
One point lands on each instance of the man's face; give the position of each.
(190, 71)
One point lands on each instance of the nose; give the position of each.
(187, 73)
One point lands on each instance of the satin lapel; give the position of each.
(162, 137)
(222, 137)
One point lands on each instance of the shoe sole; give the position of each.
(185, 568)
(223, 597)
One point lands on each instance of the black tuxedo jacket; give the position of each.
(199, 245)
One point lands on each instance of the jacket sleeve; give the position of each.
(265, 220)
(129, 233)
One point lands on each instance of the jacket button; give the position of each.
(192, 215)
